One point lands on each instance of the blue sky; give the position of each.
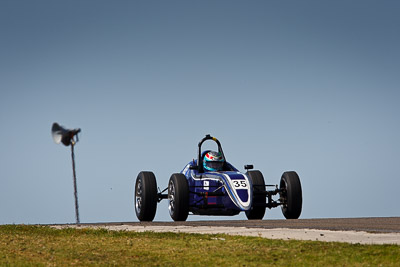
(311, 86)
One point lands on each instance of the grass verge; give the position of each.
(40, 245)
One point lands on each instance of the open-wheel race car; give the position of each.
(212, 186)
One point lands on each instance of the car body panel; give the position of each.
(226, 192)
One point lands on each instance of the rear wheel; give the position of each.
(178, 197)
(291, 195)
(257, 209)
(146, 196)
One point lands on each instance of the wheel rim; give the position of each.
(171, 198)
(138, 197)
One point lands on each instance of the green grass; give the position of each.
(22, 245)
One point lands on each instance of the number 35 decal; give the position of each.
(240, 184)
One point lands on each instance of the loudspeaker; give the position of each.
(63, 135)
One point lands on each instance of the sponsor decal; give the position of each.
(212, 200)
(206, 185)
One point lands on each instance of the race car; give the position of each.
(210, 185)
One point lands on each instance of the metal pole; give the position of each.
(75, 187)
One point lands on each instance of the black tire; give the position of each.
(291, 195)
(178, 197)
(257, 210)
(146, 196)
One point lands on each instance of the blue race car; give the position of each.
(212, 186)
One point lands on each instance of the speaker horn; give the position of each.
(63, 135)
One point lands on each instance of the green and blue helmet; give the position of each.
(213, 161)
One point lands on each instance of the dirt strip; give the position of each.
(370, 224)
(354, 237)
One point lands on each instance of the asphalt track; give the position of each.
(372, 225)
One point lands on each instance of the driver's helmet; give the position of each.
(213, 161)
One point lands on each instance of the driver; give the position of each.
(213, 161)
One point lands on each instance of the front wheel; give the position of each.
(178, 197)
(291, 195)
(257, 209)
(146, 196)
